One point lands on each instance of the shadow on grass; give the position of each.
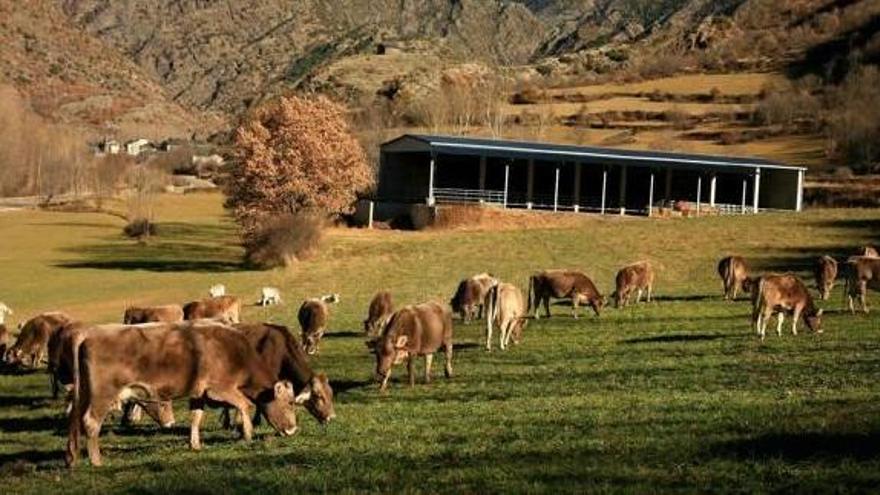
(678, 338)
(53, 423)
(804, 446)
(345, 334)
(343, 386)
(18, 400)
(13, 462)
(692, 297)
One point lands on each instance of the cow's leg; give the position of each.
(639, 296)
(447, 351)
(429, 359)
(489, 336)
(794, 320)
(92, 421)
(650, 292)
(197, 413)
(238, 400)
(780, 316)
(546, 306)
(384, 385)
(574, 306)
(411, 370)
(863, 290)
(734, 289)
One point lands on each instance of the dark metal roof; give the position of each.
(585, 154)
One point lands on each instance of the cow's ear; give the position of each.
(303, 396)
(401, 342)
(283, 389)
(819, 313)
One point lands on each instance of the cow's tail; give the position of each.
(490, 312)
(531, 291)
(757, 302)
(75, 416)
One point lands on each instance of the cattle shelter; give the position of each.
(435, 170)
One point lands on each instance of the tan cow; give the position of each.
(563, 284)
(33, 340)
(734, 273)
(863, 273)
(225, 309)
(169, 313)
(381, 308)
(637, 277)
(206, 362)
(470, 295)
(825, 271)
(507, 309)
(412, 331)
(313, 317)
(781, 294)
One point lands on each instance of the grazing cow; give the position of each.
(4, 310)
(862, 273)
(734, 275)
(313, 317)
(224, 309)
(638, 278)
(207, 362)
(381, 308)
(826, 273)
(870, 252)
(782, 294)
(33, 340)
(169, 313)
(269, 296)
(563, 284)
(471, 295)
(413, 331)
(506, 308)
(217, 290)
(284, 357)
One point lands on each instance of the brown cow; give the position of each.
(863, 272)
(637, 277)
(470, 295)
(313, 316)
(507, 309)
(412, 331)
(284, 357)
(205, 361)
(33, 340)
(734, 275)
(225, 309)
(781, 294)
(169, 313)
(381, 308)
(825, 271)
(563, 284)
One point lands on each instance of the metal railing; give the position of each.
(453, 195)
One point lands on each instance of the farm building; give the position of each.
(423, 169)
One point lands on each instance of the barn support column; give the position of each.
(483, 173)
(756, 194)
(604, 188)
(651, 196)
(431, 179)
(577, 187)
(745, 188)
(712, 183)
(800, 190)
(667, 193)
(623, 190)
(530, 184)
(556, 191)
(699, 193)
(506, 182)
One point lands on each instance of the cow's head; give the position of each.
(390, 351)
(279, 407)
(814, 321)
(311, 341)
(319, 398)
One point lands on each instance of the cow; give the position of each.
(637, 277)
(870, 252)
(33, 340)
(4, 310)
(734, 273)
(563, 284)
(269, 296)
(825, 271)
(780, 294)
(862, 273)
(4, 341)
(217, 290)
(207, 362)
(470, 295)
(506, 307)
(381, 308)
(169, 313)
(285, 358)
(412, 331)
(313, 317)
(224, 308)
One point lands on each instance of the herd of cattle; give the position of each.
(202, 352)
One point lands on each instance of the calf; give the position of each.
(782, 294)
(33, 340)
(313, 317)
(470, 295)
(381, 308)
(269, 296)
(825, 271)
(169, 313)
(507, 309)
(734, 275)
(638, 278)
(224, 309)
(217, 290)
(563, 284)
(413, 331)
(863, 272)
(4, 310)
(205, 361)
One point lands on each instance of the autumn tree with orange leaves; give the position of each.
(293, 157)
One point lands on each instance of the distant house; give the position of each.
(107, 147)
(138, 146)
(206, 165)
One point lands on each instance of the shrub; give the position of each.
(141, 229)
(284, 239)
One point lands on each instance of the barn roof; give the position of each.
(562, 152)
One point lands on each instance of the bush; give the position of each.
(140, 228)
(284, 239)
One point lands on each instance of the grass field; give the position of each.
(675, 396)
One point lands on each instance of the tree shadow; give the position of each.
(42, 458)
(804, 446)
(54, 423)
(344, 334)
(18, 400)
(692, 297)
(343, 386)
(678, 338)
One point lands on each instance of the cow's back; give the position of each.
(313, 315)
(434, 326)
